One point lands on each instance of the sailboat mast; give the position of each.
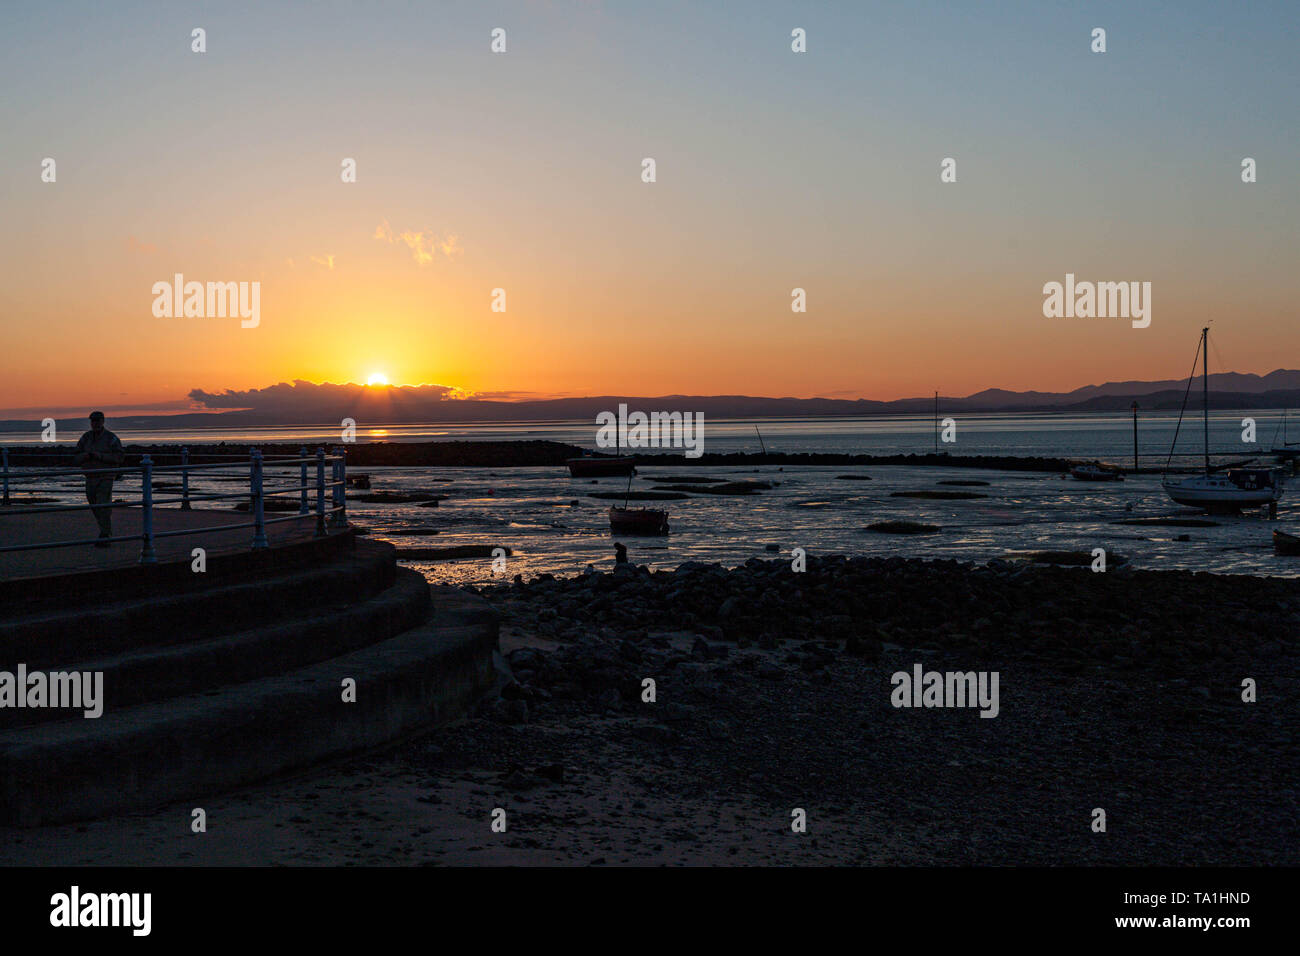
(1205, 392)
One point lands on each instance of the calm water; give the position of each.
(1093, 435)
(546, 519)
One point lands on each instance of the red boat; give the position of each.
(591, 466)
(638, 521)
(1284, 543)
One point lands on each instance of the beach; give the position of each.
(1119, 690)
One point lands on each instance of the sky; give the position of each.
(522, 171)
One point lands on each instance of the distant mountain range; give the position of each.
(304, 403)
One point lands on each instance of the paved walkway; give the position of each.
(17, 528)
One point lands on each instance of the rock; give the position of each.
(553, 772)
(609, 698)
(505, 711)
(770, 671)
(519, 780)
(673, 712)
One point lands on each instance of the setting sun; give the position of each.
(377, 378)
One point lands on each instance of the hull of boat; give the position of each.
(1081, 475)
(600, 467)
(1195, 493)
(1284, 543)
(638, 521)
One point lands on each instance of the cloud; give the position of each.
(300, 401)
(425, 245)
(326, 261)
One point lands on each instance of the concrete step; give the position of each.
(137, 676)
(63, 634)
(190, 748)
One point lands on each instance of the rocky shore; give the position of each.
(1119, 691)
(519, 454)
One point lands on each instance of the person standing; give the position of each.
(100, 448)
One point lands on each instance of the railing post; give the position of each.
(4, 453)
(320, 492)
(338, 519)
(147, 555)
(185, 479)
(255, 494)
(304, 507)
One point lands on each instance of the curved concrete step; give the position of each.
(59, 637)
(193, 747)
(156, 673)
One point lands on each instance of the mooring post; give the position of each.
(185, 479)
(304, 506)
(320, 492)
(255, 495)
(147, 555)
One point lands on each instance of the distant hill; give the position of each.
(304, 403)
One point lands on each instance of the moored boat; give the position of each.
(593, 466)
(1095, 471)
(1284, 543)
(638, 521)
(1223, 493)
(1288, 450)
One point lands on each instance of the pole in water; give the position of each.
(1135, 438)
(760, 441)
(936, 422)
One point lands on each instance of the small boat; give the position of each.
(1220, 493)
(1239, 488)
(1284, 543)
(359, 481)
(638, 521)
(1288, 450)
(1095, 471)
(599, 466)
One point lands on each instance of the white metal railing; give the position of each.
(147, 470)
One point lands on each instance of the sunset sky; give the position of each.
(523, 171)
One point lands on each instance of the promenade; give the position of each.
(18, 528)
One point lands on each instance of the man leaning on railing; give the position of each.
(100, 448)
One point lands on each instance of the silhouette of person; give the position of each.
(620, 552)
(96, 449)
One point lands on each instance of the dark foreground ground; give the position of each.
(1117, 690)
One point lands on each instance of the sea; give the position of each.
(550, 524)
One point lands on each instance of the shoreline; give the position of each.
(531, 454)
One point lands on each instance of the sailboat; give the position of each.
(627, 520)
(1240, 487)
(1288, 449)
